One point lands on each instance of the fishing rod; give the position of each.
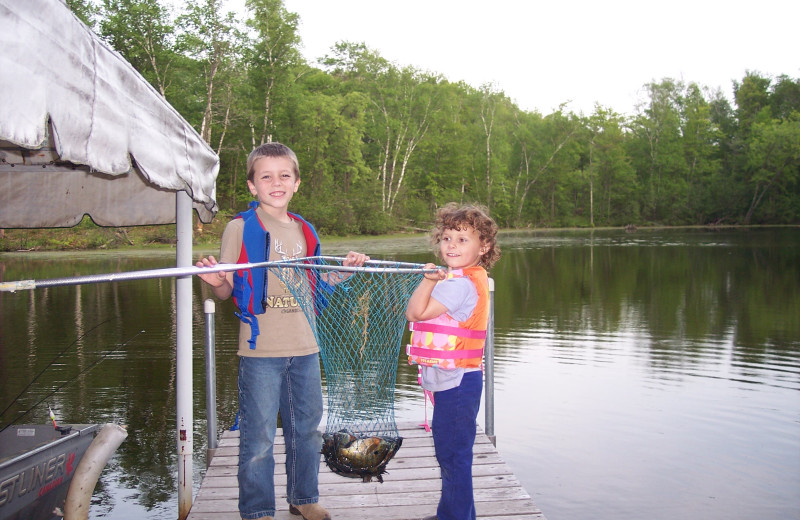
(371, 266)
(52, 362)
(79, 374)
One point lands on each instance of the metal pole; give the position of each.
(191, 270)
(489, 367)
(183, 322)
(211, 381)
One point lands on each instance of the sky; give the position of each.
(542, 54)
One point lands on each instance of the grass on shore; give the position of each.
(88, 236)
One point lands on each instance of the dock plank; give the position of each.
(410, 490)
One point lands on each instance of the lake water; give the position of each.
(650, 375)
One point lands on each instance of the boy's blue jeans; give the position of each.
(454, 426)
(267, 385)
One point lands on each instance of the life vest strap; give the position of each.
(429, 353)
(254, 330)
(446, 329)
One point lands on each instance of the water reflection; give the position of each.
(651, 374)
(684, 306)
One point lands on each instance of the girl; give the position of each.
(449, 312)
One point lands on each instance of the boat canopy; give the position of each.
(83, 133)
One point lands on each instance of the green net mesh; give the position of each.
(358, 317)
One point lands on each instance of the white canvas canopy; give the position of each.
(81, 132)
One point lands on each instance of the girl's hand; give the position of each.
(440, 274)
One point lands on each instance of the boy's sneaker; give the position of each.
(310, 511)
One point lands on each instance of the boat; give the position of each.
(37, 464)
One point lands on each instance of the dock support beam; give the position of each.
(183, 336)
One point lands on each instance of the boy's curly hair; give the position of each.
(458, 217)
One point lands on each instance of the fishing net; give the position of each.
(358, 317)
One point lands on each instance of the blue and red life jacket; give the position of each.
(250, 285)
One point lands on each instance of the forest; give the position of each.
(381, 145)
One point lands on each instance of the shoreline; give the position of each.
(84, 239)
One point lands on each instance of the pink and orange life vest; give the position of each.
(446, 343)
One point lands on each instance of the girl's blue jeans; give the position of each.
(454, 426)
(292, 386)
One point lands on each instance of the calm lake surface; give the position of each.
(639, 375)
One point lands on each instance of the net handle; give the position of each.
(370, 266)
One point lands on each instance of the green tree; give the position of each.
(142, 32)
(447, 159)
(700, 138)
(765, 145)
(752, 100)
(497, 118)
(212, 41)
(540, 142)
(401, 105)
(610, 171)
(722, 195)
(86, 10)
(773, 160)
(656, 149)
(565, 189)
(326, 128)
(785, 97)
(270, 56)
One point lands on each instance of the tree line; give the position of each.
(382, 145)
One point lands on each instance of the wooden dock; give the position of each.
(410, 490)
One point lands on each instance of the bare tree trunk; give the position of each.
(205, 125)
(527, 182)
(226, 121)
(487, 128)
(591, 182)
(265, 137)
(160, 76)
(384, 167)
(757, 198)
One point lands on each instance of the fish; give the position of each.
(359, 457)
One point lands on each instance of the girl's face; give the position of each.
(461, 248)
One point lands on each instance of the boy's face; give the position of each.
(461, 248)
(274, 182)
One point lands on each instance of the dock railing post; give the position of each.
(211, 381)
(488, 406)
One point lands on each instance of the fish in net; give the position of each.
(358, 318)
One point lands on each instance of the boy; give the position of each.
(278, 370)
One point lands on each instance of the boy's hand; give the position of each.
(213, 279)
(354, 259)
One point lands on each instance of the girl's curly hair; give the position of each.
(458, 217)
